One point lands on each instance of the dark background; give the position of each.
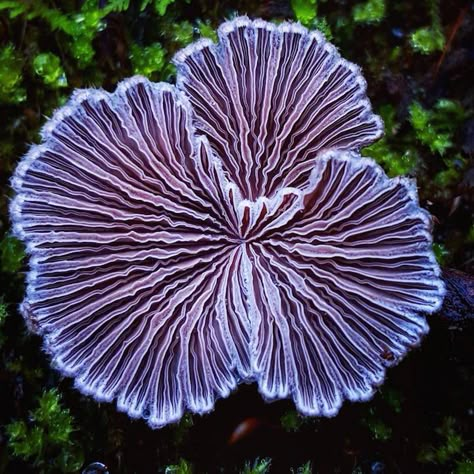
(421, 419)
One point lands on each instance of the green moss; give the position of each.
(259, 466)
(48, 67)
(181, 33)
(321, 24)
(470, 235)
(181, 429)
(379, 429)
(464, 467)
(435, 128)
(291, 421)
(304, 469)
(3, 311)
(393, 398)
(392, 152)
(305, 10)
(428, 39)
(147, 60)
(11, 254)
(45, 42)
(207, 30)
(371, 11)
(394, 162)
(449, 447)
(118, 5)
(46, 439)
(452, 174)
(440, 252)
(183, 467)
(19, 366)
(82, 26)
(162, 5)
(11, 64)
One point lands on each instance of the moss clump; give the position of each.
(48, 67)
(45, 439)
(161, 6)
(206, 30)
(449, 448)
(440, 253)
(304, 469)
(50, 48)
(259, 466)
(11, 254)
(380, 430)
(372, 11)
(393, 151)
(428, 39)
(435, 128)
(147, 60)
(183, 467)
(11, 64)
(306, 12)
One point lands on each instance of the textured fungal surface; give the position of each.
(185, 239)
(270, 99)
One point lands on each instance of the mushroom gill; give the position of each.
(183, 240)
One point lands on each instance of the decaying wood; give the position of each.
(459, 301)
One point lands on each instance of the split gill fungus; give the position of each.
(183, 239)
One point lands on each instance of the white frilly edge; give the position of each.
(226, 28)
(94, 95)
(75, 104)
(412, 191)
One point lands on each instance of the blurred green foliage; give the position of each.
(304, 469)
(394, 151)
(147, 60)
(259, 466)
(11, 254)
(48, 67)
(46, 438)
(440, 252)
(428, 39)
(11, 65)
(372, 11)
(183, 467)
(306, 12)
(162, 5)
(291, 421)
(49, 48)
(449, 450)
(465, 467)
(435, 128)
(380, 430)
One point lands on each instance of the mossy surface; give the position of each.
(417, 59)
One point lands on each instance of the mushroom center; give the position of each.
(258, 220)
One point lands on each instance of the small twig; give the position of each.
(454, 30)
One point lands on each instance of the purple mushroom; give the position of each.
(183, 240)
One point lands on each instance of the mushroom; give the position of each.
(183, 240)
(271, 98)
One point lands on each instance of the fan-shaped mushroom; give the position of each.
(182, 241)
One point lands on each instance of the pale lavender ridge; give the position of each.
(167, 266)
(270, 98)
